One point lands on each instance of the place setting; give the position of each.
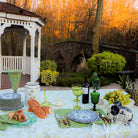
(79, 117)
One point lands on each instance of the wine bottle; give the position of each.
(85, 95)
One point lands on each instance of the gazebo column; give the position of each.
(32, 57)
(39, 46)
(0, 61)
(24, 55)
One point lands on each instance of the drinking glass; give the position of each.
(76, 87)
(77, 93)
(95, 99)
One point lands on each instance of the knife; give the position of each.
(68, 120)
(58, 118)
(64, 121)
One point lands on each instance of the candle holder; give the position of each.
(95, 98)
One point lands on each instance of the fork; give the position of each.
(58, 117)
(66, 116)
(64, 121)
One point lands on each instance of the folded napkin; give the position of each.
(3, 126)
(4, 122)
(63, 112)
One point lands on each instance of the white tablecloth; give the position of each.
(48, 127)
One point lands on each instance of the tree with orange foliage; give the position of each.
(96, 27)
(118, 19)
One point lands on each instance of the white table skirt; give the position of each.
(48, 128)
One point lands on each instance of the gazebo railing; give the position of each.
(12, 63)
(20, 63)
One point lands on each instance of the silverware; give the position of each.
(104, 118)
(58, 117)
(64, 121)
(66, 116)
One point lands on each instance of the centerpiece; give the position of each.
(117, 95)
(48, 77)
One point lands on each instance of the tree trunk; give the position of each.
(68, 33)
(96, 27)
(89, 19)
(25, 4)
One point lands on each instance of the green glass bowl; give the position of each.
(77, 92)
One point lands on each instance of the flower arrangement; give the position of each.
(117, 95)
(49, 77)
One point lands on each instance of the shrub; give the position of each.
(69, 78)
(82, 67)
(69, 81)
(106, 80)
(48, 65)
(106, 63)
(49, 77)
(74, 74)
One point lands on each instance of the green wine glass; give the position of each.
(77, 93)
(76, 87)
(15, 76)
(95, 99)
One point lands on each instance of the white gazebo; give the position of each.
(13, 18)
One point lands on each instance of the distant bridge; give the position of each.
(68, 54)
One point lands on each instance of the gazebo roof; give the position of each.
(7, 10)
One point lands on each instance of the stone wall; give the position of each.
(68, 54)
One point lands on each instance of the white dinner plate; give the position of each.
(83, 116)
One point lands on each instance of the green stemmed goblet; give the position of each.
(15, 76)
(77, 93)
(95, 99)
(76, 87)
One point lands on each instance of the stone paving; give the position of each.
(26, 78)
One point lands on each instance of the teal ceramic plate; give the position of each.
(30, 119)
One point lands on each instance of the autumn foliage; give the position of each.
(73, 19)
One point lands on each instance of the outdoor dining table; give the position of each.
(49, 128)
